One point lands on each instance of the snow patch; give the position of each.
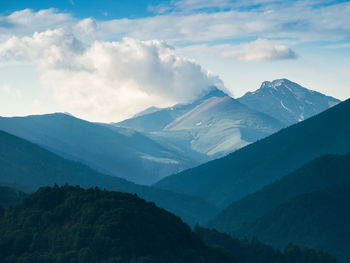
(308, 102)
(301, 117)
(285, 107)
(159, 160)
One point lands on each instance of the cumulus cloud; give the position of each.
(260, 50)
(108, 81)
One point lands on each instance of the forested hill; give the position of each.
(254, 251)
(70, 224)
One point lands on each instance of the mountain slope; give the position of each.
(220, 125)
(214, 125)
(319, 219)
(287, 101)
(243, 172)
(155, 119)
(26, 164)
(116, 151)
(320, 174)
(254, 251)
(70, 224)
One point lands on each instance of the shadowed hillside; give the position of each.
(26, 164)
(243, 172)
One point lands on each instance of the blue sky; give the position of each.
(103, 9)
(106, 60)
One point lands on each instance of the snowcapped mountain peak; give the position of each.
(287, 101)
(281, 85)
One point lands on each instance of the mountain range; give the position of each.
(156, 142)
(195, 127)
(291, 186)
(30, 166)
(216, 124)
(116, 151)
(244, 171)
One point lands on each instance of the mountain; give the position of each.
(319, 219)
(254, 251)
(70, 224)
(147, 111)
(214, 125)
(220, 125)
(115, 151)
(317, 175)
(26, 164)
(245, 171)
(156, 119)
(287, 101)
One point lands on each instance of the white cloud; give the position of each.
(260, 50)
(27, 21)
(9, 90)
(108, 81)
(297, 20)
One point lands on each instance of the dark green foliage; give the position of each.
(254, 251)
(70, 224)
(9, 196)
(319, 219)
(29, 165)
(245, 171)
(319, 174)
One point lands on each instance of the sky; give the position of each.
(107, 60)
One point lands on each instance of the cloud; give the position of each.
(108, 81)
(9, 90)
(296, 20)
(192, 23)
(28, 19)
(201, 4)
(260, 50)
(338, 46)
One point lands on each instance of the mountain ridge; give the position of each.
(117, 151)
(317, 175)
(31, 166)
(318, 219)
(261, 163)
(287, 101)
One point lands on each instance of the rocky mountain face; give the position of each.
(287, 101)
